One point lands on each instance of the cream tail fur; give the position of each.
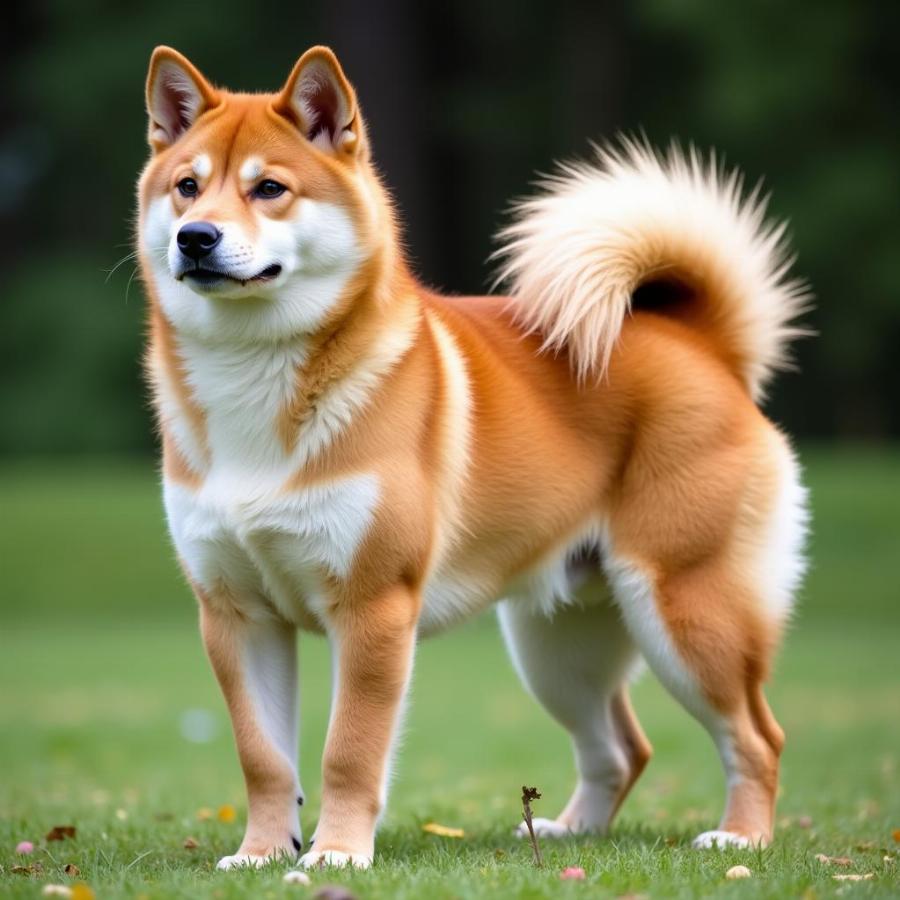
(578, 251)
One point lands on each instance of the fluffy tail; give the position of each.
(675, 230)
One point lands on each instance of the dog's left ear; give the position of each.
(320, 101)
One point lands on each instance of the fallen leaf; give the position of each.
(24, 847)
(190, 843)
(60, 832)
(333, 892)
(72, 870)
(56, 890)
(443, 830)
(862, 846)
(854, 877)
(33, 869)
(738, 872)
(572, 873)
(227, 813)
(204, 813)
(82, 891)
(895, 834)
(296, 877)
(834, 860)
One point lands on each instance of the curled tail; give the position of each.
(674, 232)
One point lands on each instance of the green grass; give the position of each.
(99, 660)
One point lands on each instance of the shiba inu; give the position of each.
(347, 452)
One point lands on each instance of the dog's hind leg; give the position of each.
(713, 664)
(704, 588)
(576, 663)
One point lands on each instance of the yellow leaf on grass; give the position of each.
(443, 830)
(895, 834)
(226, 813)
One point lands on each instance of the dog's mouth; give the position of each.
(207, 277)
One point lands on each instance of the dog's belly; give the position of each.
(261, 546)
(466, 587)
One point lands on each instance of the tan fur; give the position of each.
(491, 457)
(637, 746)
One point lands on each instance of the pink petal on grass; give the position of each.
(24, 847)
(572, 873)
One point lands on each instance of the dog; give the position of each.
(347, 452)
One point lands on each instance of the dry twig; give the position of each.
(529, 794)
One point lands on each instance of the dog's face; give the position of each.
(255, 210)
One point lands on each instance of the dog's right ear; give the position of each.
(176, 96)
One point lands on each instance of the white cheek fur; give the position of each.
(319, 251)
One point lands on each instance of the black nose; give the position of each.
(197, 239)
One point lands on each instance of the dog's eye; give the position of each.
(269, 189)
(187, 187)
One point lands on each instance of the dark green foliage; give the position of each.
(465, 102)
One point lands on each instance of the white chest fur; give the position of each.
(241, 531)
(262, 546)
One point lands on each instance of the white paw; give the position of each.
(720, 840)
(320, 859)
(545, 828)
(243, 860)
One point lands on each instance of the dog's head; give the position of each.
(256, 210)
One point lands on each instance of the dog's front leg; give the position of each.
(255, 662)
(374, 642)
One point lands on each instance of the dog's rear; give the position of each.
(657, 276)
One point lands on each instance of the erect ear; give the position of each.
(321, 102)
(176, 96)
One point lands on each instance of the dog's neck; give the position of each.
(275, 406)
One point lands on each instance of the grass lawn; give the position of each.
(110, 721)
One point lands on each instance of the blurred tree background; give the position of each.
(466, 101)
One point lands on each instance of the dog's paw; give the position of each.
(545, 828)
(243, 861)
(321, 859)
(719, 840)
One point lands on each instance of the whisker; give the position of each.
(128, 286)
(129, 256)
(121, 262)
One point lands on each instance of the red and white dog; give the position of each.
(349, 453)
